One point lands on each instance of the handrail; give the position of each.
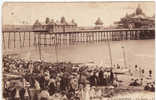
(72, 31)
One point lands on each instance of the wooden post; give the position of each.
(104, 36)
(118, 35)
(96, 36)
(61, 38)
(34, 39)
(101, 36)
(14, 40)
(87, 35)
(3, 40)
(9, 41)
(23, 39)
(79, 37)
(130, 35)
(89, 39)
(113, 37)
(74, 38)
(83, 37)
(126, 35)
(107, 36)
(121, 35)
(90, 35)
(132, 38)
(110, 35)
(29, 39)
(69, 38)
(55, 39)
(93, 36)
(20, 40)
(135, 35)
(58, 39)
(50, 39)
(44, 39)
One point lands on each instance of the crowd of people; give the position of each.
(39, 80)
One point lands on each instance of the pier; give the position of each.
(29, 38)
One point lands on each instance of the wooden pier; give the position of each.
(21, 39)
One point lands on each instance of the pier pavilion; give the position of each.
(56, 26)
(138, 19)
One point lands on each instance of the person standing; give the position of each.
(81, 92)
(30, 66)
(101, 78)
(150, 73)
(93, 79)
(87, 92)
(111, 77)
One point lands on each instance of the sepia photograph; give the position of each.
(78, 50)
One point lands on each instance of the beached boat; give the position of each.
(121, 70)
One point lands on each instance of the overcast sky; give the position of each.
(85, 14)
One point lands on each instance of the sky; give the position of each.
(84, 14)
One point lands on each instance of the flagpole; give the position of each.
(56, 49)
(109, 49)
(110, 53)
(39, 46)
(124, 56)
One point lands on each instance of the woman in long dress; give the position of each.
(81, 92)
(87, 92)
(92, 92)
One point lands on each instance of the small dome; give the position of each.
(37, 22)
(73, 22)
(63, 20)
(98, 22)
(52, 22)
(139, 10)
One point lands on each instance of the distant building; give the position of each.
(98, 24)
(138, 19)
(58, 26)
